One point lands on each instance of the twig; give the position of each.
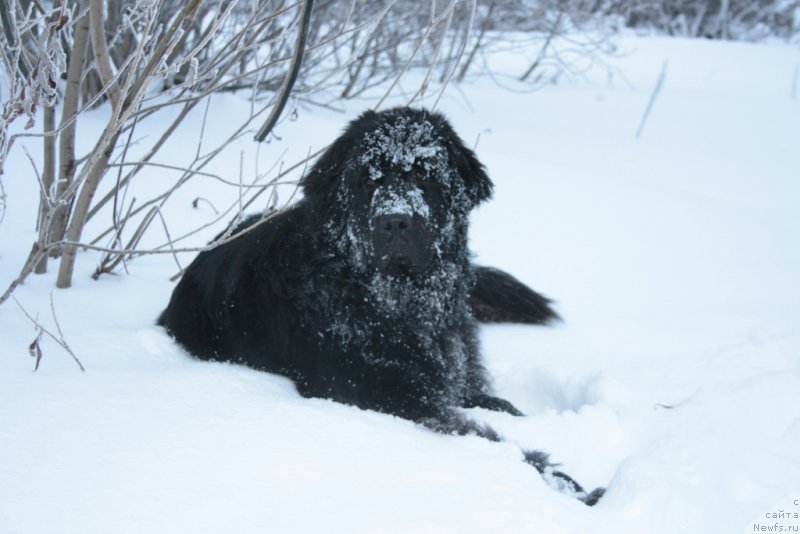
(169, 238)
(460, 54)
(197, 200)
(34, 347)
(4, 15)
(485, 24)
(543, 51)
(63, 341)
(656, 90)
(437, 52)
(116, 208)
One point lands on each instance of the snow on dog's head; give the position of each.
(402, 142)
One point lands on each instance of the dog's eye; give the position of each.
(416, 176)
(370, 185)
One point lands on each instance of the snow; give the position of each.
(402, 143)
(391, 202)
(674, 380)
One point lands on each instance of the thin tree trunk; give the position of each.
(102, 59)
(66, 149)
(98, 163)
(724, 19)
(48, 179)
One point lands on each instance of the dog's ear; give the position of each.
(479, 186)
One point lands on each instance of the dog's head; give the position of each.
(403, 182)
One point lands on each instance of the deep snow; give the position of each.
(674, 379)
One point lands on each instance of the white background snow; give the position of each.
(674, 379)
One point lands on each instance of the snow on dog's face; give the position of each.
(400, 176)
(396, 189)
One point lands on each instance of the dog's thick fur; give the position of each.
(363, 291)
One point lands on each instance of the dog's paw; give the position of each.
(561, 481)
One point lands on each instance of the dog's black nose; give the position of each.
(393, 225)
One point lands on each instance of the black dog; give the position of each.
(363, 291)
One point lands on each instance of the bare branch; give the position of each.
(34, 347)
(291, 77)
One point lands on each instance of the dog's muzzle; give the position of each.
(401, 244)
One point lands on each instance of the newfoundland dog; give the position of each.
(363, 291)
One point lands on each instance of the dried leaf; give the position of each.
(35, 350)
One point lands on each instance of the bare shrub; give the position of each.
(713, 19)
(141, 59)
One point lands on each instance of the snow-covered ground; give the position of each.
(674, 379)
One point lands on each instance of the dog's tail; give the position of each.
(498, 297)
